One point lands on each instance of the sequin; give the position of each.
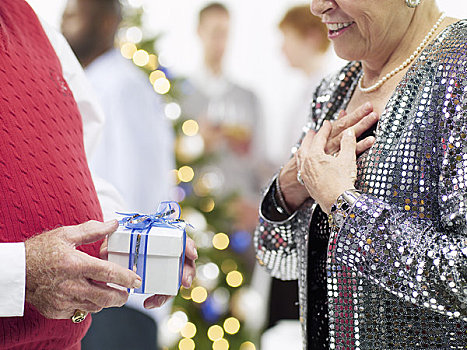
(395, 271)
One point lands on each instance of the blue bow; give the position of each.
(167, 215)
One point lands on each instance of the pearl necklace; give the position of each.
(408, 61)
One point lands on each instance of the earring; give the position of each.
(412, 3)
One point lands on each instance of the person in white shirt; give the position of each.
(229, 116)
(136, 151)
(306, 47)
(13, 260)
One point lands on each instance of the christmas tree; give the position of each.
(218, 311)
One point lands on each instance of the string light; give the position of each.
(228, 265)
(134, 35)
(234, 279)
(221, 344)
(248, 345)
(207, 205)
(128, 50)
(215, 333)
(152, 64)
(185, 293)
(162, 86)
(231, 325)
(157, 74)
(186, 344)
(189, 331)
(186, 173)
(172, 110)
(141, 58)
(190, 127)
(220, 241)
(199, 295)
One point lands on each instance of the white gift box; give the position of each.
(163, 246)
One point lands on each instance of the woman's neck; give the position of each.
(423, 20)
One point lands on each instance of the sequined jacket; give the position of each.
(393, 275)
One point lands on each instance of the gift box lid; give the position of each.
(162, 241)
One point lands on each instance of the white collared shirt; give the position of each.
(12, 255)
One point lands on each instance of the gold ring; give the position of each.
(78, 316)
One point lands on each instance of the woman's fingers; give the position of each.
(348, 145)
(366, 123)
(365, 144)
(349, 120)
(321, 138)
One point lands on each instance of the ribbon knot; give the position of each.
(167, 215)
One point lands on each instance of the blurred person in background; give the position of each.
(305, 45)
(135, 153)
(229, 117)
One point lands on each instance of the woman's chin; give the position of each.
(346, 52)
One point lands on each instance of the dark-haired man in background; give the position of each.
(135, 153)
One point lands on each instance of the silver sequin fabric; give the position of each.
(394, 273)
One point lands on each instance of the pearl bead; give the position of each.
(408, 61)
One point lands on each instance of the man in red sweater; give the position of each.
(48, 200)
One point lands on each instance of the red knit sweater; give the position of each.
(44, 177)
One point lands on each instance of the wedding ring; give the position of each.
(78, 316)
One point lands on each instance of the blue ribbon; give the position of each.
(167, 215)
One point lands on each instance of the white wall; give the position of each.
(254, 57)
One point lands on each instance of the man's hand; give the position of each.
(189, 273)
(61, 279)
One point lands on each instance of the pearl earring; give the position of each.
(412, 3)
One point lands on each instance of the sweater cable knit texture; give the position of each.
(44, 178)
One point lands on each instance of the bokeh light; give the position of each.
(190, 127)
(153, 63)
(215, 333)
(134, 35)
(185, 293)
(172, 110)
(231, 325)
(186, 173)
(228, 265)
(162, 86)
(186, 344)
(221, 344)
(207, 205)
(157, 74)
(141, 58)
(234, 279)
(177, 321)
(248, 345)
(199, 294)
(220, 241)
(189, 331)
(128, 50)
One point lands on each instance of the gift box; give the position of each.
(153, 246)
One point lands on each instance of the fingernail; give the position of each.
(137, 283)
(350, 132)
(189, 280)
(195, 253)
(367, 105)
(111, 222)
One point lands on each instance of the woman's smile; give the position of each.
(336, 29)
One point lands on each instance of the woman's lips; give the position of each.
(337, 29)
